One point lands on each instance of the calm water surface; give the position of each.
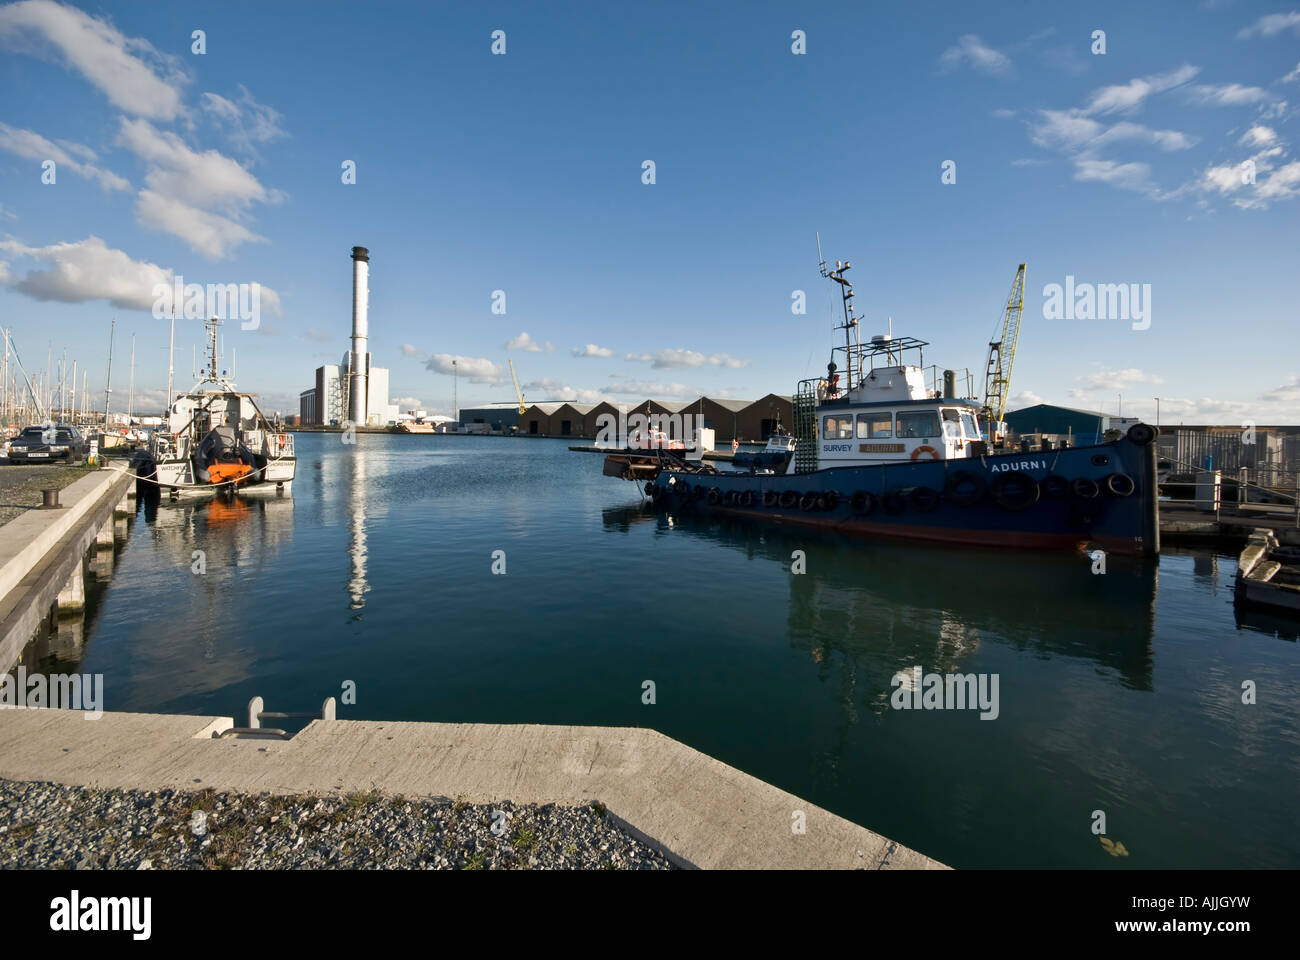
(1119, 693)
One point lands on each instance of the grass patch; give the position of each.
(523, 840)
(477, 862)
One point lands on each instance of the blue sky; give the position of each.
(522, 172)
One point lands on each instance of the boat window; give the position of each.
(837, 428)
(864, 426)
(950, 416)
(918, 425)
(968, 422)
(882, 424)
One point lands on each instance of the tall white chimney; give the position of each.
(358, 384)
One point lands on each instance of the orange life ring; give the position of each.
(934, 454)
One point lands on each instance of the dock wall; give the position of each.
(42, 552)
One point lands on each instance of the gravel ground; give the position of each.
(21, 484)
(50, 826)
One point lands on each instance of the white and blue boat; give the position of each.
(880, 454)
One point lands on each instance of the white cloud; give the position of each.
(473, 369)
(410, 350)
(1111, 380)
(1129, 96)
(33, 146)
(526, 343)
(135, 77)
(1125, 176)
(244, 122)
(1259, 136)
(559, 390)
(1226, 95)
(651, 388)
(209, 234)
(591, 350)
(1293, 75)
(407, 403)
(1271, 25)
(87, 270)
(1025, 398)
(670, 359)
(971, 50)
(184, 185)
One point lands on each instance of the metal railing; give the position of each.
(1212, 482)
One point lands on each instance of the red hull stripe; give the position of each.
(983, 538)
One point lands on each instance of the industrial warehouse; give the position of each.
(747, 421)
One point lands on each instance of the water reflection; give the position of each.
(877, 607)
(358, 587)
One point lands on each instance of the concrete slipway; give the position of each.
(699, 811)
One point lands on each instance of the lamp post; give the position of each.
(1157, 413)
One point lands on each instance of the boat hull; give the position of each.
(178, 477)
(927, 500)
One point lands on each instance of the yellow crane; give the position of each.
(518, 395)
(1002, 355)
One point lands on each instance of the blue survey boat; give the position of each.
(881, 454)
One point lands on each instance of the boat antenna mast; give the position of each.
(212, 326)
(850, 326)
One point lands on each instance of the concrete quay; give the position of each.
(43, 555)
(698, 811)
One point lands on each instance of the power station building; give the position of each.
(353, 390)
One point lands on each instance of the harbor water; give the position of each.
(1119, 692)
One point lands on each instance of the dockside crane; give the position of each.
(519, 396)
(1002, 355)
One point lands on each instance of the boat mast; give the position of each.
(171, 357)
(850, 324)
(108, 384)
(130, 396)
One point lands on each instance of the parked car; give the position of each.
(40, 444)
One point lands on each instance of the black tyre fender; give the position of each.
(925, 499)
(893, 503)
(965, 488)
(682, 489)
(862, 502)
(714, 496)
(769, 498)
(747, 498)
(788, 499)
(808, 501)
(1055, 486)
(1085, 488)
(1014, 491)
(1142, 433)
(730, 498)
(1120, 484)
(830, 500)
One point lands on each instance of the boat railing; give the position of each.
(278, 445)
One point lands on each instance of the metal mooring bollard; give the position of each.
(51, 499)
